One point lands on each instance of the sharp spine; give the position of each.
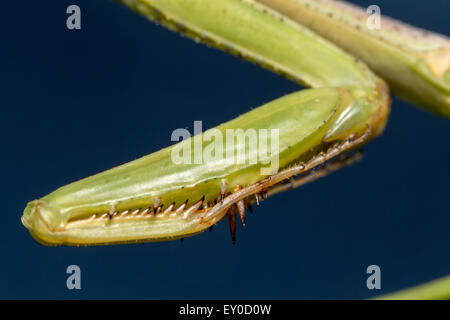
(232, 221)
(241, 209)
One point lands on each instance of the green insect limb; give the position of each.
(415, 62)
(155, 199)
(435, 290)
(291, 183)
(344, 159)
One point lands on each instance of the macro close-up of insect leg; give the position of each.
(348, 68)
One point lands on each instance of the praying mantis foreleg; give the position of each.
(156, 198)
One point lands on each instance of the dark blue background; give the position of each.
(78, 102)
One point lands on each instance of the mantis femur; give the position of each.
(156, 198)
